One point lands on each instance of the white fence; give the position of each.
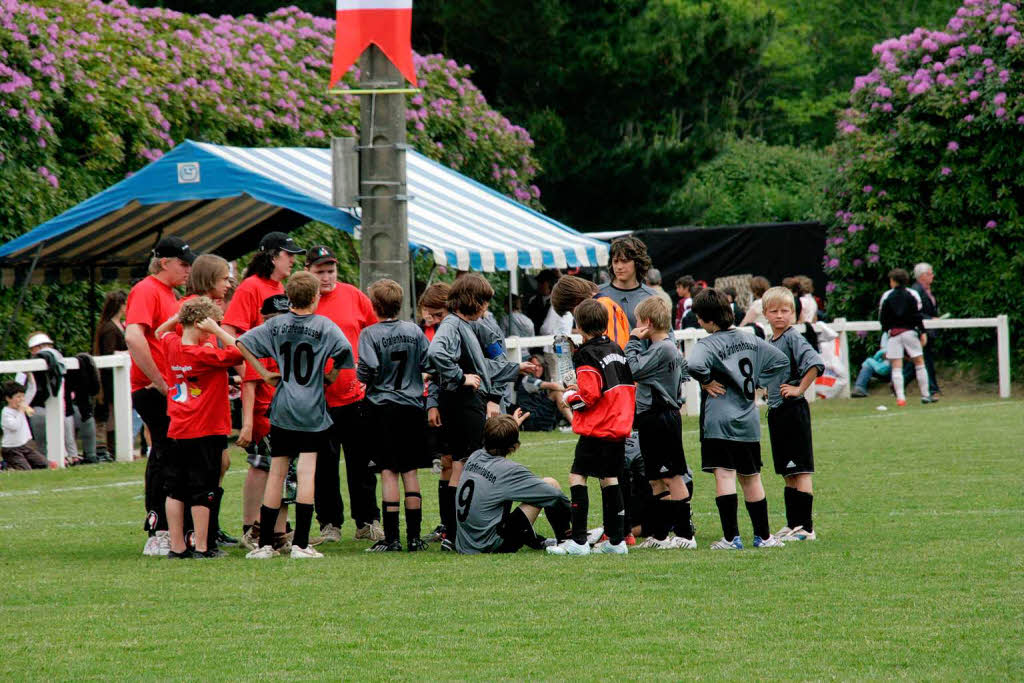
(689, 337)
(121, 410)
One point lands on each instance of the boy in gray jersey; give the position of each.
(658, 368)
(730, 365)
(300, 342)
(489, 486)
(629, 266)
(392, 360)
(789, 423)
(465, 378)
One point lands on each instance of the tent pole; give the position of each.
(93, 312)
(21, 298)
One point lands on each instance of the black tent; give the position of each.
(774, 250)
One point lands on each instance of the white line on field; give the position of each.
(86, 487)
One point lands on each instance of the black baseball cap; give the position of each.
(279, 241)
(320, 254)
(277, 303)
(174, 247)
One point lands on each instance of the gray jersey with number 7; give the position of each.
(301, 345)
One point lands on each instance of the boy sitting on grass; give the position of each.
(300, 342)
(658, 367)
(491, 483)
(603, 401)
(17, 454)
(789, 423)
(200, 421)
(730, 365)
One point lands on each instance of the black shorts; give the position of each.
(513, 530)
(598, 458)
(463, 414)
(192, 469)
(661, 443)
(789, 427)
(288, 443)
(720, 454)
(399, 435)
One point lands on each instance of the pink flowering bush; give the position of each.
(930, 168)
(90, 92)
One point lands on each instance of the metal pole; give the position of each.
(384, 247)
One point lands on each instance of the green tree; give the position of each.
(753, 182)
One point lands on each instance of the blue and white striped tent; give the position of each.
(220, 198)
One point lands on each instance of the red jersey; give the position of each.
(244, 310)
(150, 304)
(264, 395)
(197, 401)
(352, 311)
(605, 401)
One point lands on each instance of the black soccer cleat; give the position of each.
(225, 540)
(385, 547)
(436, 535)
(417, 544)
(184, 555)
(211, 554)
(447, 544)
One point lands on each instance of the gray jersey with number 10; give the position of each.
(740, 362)
(301, 345)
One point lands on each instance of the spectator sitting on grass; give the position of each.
(874, 367)
(540, 399)
(17, 453)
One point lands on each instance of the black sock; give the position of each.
(614, 513)
(662, 521)
(727, 506)
(413, 521)
(447, 498)
(792, 507)
(214, 529)
(560, 519)
(580, 510)
(390, 508)
(758, 511)
(806, 505)
(268, 518)
(303, 518)
(683, 523)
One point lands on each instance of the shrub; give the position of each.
(930, 169)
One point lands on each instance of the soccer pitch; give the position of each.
(918, 573)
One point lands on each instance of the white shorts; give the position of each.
(908, 343)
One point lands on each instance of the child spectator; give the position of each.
(392, 360)
(658, 367)
(17, 453)
(491, 484)
(464, 377)
(200, 421)
(254, 437)
(684, 285)
(755, 312)
(730, 427)
(570, 291)
(789, 423)
(899, 311)
(300, 342)
(603, 402)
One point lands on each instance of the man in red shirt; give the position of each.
(352, 311)
(269, 267)
(150, 303)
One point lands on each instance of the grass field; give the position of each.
(918, 573)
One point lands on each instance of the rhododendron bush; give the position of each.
(90, 92)
(931, 168)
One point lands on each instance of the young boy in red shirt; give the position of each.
(200, 420)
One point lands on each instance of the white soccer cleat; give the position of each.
(262, 553)
(770, 542)
(734, 544)
(159, 544)
(371, 531)
(784, 532)
(606, 548)
(800, 534)
(568, 547)
(684, 543)
(654, 543)
(594, 535)
(307, 553)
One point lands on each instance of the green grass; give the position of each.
(917, 574)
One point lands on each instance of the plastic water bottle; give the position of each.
(563, 353)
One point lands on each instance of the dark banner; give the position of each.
(774, 250)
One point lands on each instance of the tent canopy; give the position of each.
(223, 199)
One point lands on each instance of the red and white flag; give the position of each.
(386, 23)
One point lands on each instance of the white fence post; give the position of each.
(55, 429)
(839, 325)
(1003, 352)
(123, 440)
